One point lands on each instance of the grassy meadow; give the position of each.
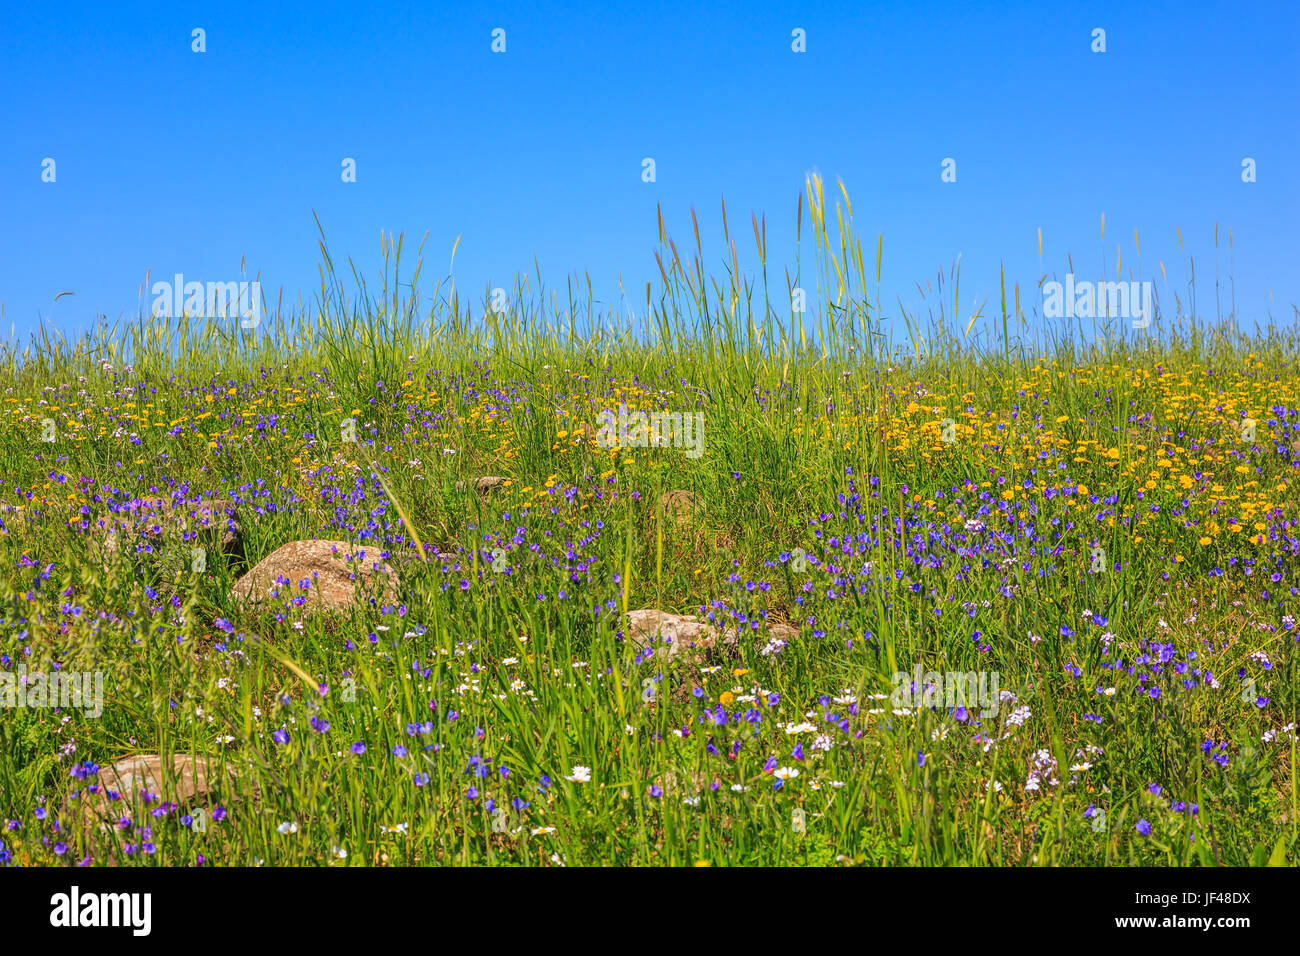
(1096, 523)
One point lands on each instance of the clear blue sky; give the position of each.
(173, 161)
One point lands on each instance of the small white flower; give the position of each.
(579, 774)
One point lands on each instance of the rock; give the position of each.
(669, 634)
(213, 519)
(489, 483)
(191, 778)
(681, 506)
(780, 632)
(192, 781)
(331, 569)
(783, 632)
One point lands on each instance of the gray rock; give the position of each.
(334, 568)
(669, 634)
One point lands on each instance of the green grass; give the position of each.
(823, 435)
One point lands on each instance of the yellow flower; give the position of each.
(1203, 542)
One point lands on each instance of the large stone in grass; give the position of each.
(319, 575)
(191, 777)
(669, 635)
(214, 523)
(190, 781)
(144, 783)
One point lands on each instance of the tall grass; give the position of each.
(823, 432)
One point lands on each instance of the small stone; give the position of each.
(669, 634)
(681, 507)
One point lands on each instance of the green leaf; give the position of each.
(1278, 856)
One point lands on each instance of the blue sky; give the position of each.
(174, 161)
